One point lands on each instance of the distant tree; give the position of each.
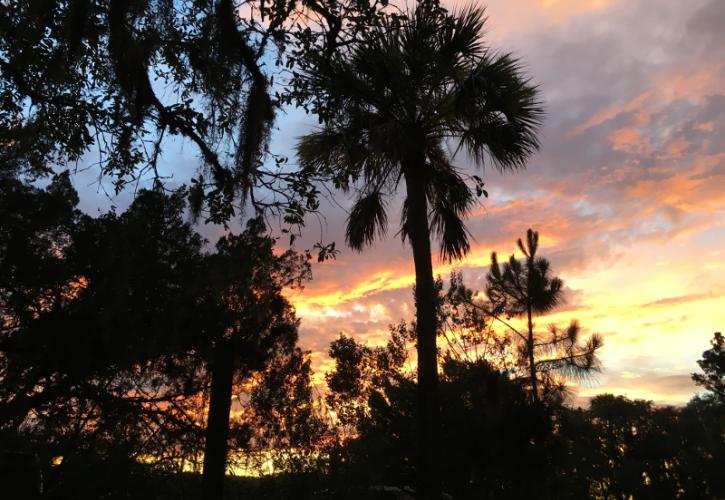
(624, 448)
(493, 435)
(713, 368)
(284, 416)
(498, 443)
(632, 442)
(350, 382)
(470, 331)
(359, 370)
(527, 289)
(389, 108)
(701, 427)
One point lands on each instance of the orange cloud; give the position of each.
(630, 140)
(663, 89)
(511, 17)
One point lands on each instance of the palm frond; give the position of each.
(500, 113)
(449, 227)
(331, 153)
(367, 219)
(413, 84)
(461, 37)
(446, 185)
(450, 199)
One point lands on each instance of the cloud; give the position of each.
(682, 299)
(661, 389)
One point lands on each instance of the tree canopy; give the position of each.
(112, 83)
(712, 365)
(108, 355)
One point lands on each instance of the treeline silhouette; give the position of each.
(123, 334)
(120, 332)
(139, 361)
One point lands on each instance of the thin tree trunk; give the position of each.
(429, 486)
(217, 426)
(532, 361)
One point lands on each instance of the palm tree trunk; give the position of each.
(217, 427)
(429, 486)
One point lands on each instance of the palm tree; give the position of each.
(391, 109)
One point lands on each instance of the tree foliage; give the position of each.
(105, 355)
(397, 98)
(525, 290)
(501, 444)
(712, 365)
(631, 448)
(389, 109)
(119, 80)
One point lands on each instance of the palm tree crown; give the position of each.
(395, 106)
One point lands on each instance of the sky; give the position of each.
(627, 193)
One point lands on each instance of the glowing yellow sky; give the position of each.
(628, 193)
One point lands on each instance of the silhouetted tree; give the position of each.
(35, 224)
(500, 444)
(388, 108)
(639, 450)
(469, 329)
(360, 369)
(632, 443)
(121, 78)
(105, 354)
(285, 416)
(701, 427)
(245, 279)
(713, 368)
(100, 349)
(527, 289)
(493, 435)
(97, 313)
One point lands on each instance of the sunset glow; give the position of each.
(430, 249)
(628, 193)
